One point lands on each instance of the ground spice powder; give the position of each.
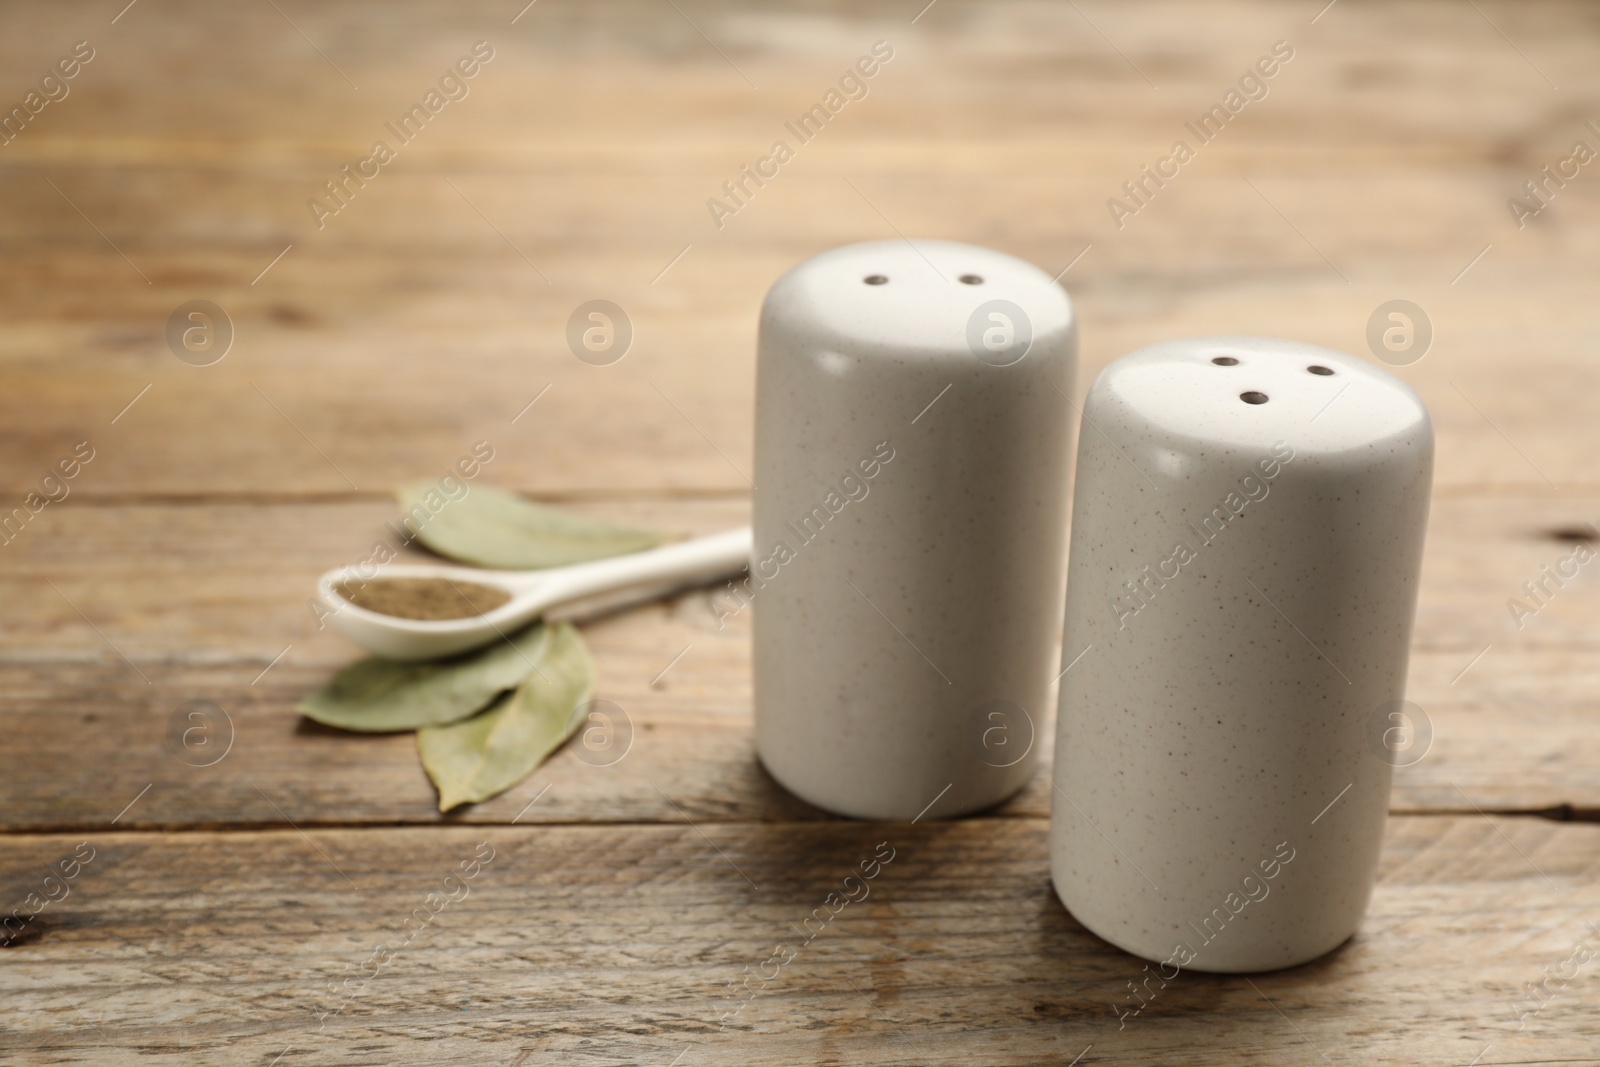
(423, 598)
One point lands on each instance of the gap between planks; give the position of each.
(272, 499)
(1565, 813)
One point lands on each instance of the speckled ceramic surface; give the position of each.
(1247, 536)
(912, 438)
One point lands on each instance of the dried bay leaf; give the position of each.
(491, 752)
(494, 528)
(382, 696)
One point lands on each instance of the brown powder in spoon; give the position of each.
(423, 598)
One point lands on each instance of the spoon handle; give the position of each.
(684, 563)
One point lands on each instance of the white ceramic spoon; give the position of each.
(533, 593)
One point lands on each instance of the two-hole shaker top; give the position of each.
(928, 300)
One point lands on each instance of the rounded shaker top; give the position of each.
(924, 300)
(1245, 393)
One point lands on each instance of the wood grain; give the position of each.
(618, 945)
(413, 323)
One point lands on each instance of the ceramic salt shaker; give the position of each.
(1247, 536)
(911, 468)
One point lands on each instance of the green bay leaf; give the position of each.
(489, 753)
(382, 696)
(494, 528)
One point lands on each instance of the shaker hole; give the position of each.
(1316, 369)
(1573, 533)
(1225, 361)
(972, 279)
(1253, 397)
(875, 279)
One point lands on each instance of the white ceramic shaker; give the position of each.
(1246, 541)
(913, 430)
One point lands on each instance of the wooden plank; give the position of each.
(222, 583)
(339, 385)
(685, 745)
(626, 944)
(407, 396)
(1514, 728)
(99, 721)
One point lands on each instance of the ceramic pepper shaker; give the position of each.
(912, 438)
(1246, 541)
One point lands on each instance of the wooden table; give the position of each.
(228, 904)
